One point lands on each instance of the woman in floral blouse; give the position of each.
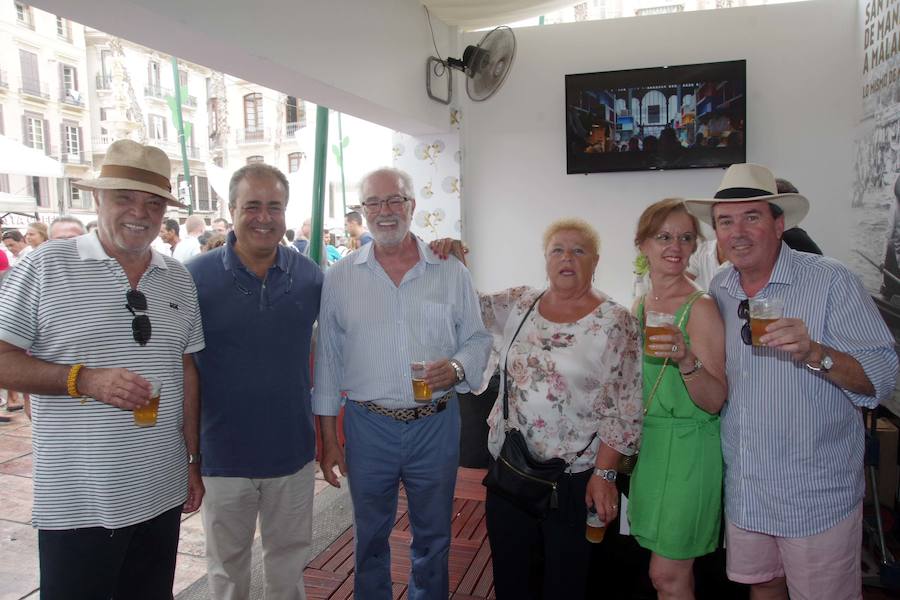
(574, 370)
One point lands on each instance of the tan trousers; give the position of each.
(284, 506)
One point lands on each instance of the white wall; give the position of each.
(802, 105)
(361, 57)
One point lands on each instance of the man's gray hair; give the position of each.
(406, 182)
(259, 170)
(68, 219)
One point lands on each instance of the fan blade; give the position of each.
(489, 63)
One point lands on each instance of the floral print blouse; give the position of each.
(566, 380)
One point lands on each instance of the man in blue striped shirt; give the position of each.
(792, 431)
(391, 303)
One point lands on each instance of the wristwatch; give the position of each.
(460, 372)
(825, 364)
(606, 474)
(194, 459)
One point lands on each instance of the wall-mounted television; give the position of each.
(675, 117)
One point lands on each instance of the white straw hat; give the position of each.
(747, 182)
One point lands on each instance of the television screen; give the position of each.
(677, 117)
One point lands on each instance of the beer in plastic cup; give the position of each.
(594, 529)
(655, 324)
(764, 311)
(145, 416)
(421, 389)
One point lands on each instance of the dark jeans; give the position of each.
(93, 563)
(541, 560)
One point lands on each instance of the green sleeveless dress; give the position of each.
(675, 503)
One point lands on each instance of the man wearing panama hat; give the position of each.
(792, 437)
(85, 325)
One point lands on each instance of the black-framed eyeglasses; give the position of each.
(140, 325)
(394, 202)
(743, 312)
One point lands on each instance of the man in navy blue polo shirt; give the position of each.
(258, 302)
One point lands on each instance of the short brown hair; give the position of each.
(655, 215)
(572, 224)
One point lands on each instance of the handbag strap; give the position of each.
(506, 358)
(687, 309)
(505, 388)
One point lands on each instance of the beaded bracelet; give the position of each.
(72, 381)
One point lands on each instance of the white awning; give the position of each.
(18, 204)
(19, 159)
(476, 14)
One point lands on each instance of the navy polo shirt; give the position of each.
(255, 418)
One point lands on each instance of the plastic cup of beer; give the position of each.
(655, 324)
(764, 311)
(594, 528)
(421, 389)
(145, 416)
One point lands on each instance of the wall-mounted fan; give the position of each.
(485, 66)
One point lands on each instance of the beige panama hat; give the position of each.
(129, 165)
(747, 182)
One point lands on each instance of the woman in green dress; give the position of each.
(675, 502)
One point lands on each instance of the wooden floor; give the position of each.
(330, 574)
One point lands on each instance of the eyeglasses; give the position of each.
(665, 238)
(140, 325)
(394, 202)
(743, 312)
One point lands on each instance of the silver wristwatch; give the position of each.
(460, 372)
(194, 459)
(606, 474)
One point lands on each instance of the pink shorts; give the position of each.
(825, 565)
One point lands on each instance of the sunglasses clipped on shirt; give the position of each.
(140, 325)
(743, 312)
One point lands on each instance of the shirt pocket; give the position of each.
(438, 330)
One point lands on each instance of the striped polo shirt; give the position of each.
(66, 304)
(793, 441)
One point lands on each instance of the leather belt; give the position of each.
(407, 415)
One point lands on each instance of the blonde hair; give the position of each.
(655, 215)
(39, 228)
(573, 224)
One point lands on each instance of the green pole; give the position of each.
(341, 154)
(179, 124)
(318, 195)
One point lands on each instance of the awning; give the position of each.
(476, 14)
(13, 203)
(19, 159)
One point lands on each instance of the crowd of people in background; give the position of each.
(713, 412)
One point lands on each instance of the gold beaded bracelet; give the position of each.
(72, 382)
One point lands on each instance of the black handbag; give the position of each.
(516, 475)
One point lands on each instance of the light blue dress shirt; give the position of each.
(370, 329)
(793, 441)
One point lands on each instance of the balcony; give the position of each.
(34, 89)
(156, 91)
(256, 135)
(104, 82)
(293, 128)
(71, 97)
(73, 158)
(101, 142)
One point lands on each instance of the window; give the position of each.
(253, 115)
(153, 85)
(68, 84)
(39, 190)
(71, 133)
(157, 127)
(254, 159)
(64, 28)
(103, 116)
(31, 81)
(33, 131)
(202, 188)
(77, 198)
(2, 129)
(294, 159)
(294, 115)
(183, 81)
(653, 113)
(4, 182)
(23, 15)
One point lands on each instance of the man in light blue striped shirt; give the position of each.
(391, 303)
(792, 431)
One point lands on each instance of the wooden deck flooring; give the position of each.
(330, 574)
